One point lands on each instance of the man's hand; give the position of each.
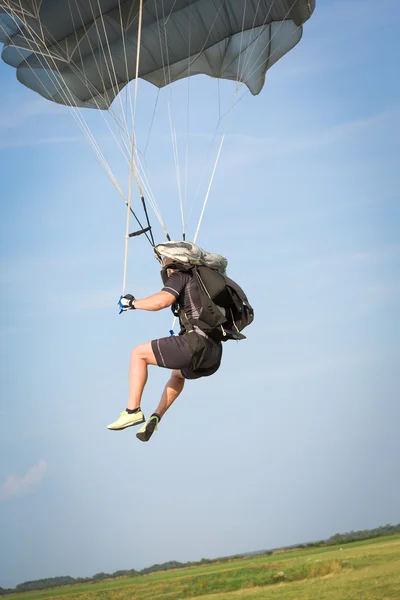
(155, 302)
(126, 302)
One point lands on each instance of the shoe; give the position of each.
(145, 432)
(127, 420)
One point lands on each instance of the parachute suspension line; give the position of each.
(113, 75)
(162, 36)
(128, 87)
(132, 166)
(187, 137)
(176, 159)
(165, 68)
(190, 62)
(167, 80)
(135, 167)
(209, 188)
(151, 124)
(116, 86)
(99, 71)
(187, 128)
(123, 139)
(172, 125)
(142, 176)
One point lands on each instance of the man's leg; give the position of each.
(171, 391)
(141, 357)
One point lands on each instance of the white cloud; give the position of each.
(16, 486)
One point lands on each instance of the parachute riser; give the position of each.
(145, 230)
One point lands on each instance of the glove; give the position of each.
(126, 302)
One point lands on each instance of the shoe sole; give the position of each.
(145, 435)
(126, 426)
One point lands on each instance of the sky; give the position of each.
(296, 437)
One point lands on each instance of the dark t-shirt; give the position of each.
(184, 287)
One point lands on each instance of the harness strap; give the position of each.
(185, 321)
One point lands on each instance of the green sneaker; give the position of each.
(145, 432)
(127, 420)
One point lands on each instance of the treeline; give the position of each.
(353, 536)
(364, 534)
(337, 538)
(52, 582)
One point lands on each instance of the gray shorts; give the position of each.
(193, 354)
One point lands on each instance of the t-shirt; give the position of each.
(184, 287)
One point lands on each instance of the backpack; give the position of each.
(226, 310)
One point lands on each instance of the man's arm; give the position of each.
(156, 301)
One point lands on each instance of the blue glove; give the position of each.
(126, 302)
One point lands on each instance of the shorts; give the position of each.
(193, 354)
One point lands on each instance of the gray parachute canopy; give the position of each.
(83, 52)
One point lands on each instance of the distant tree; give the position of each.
(41, 584)
(125, 573)
(100, 576)
(351, 536)
(172, 564)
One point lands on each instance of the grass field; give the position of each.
(368, 570)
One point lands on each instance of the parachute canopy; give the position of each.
(83, 53)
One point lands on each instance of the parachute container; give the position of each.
(189, 253)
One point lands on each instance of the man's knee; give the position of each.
(177, 373)
(144, 352)
(137, 351)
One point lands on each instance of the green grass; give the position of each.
(367, 570)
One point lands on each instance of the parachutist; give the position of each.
(172, 352)
(197, 350)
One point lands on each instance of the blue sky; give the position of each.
(296, 437)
